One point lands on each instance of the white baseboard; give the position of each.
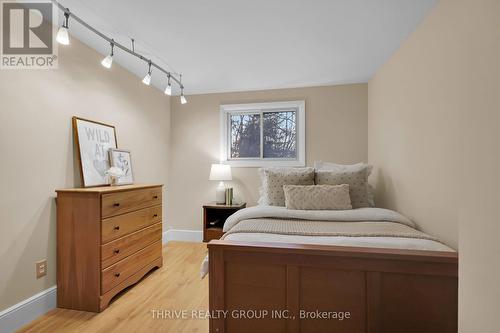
(182, 235)
(28, 310)
(37, 305)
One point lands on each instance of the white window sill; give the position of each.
(263, 163)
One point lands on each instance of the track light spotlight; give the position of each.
(62, 33)
(168, 89)
(108, 61)
(147, 78)
(183, 98)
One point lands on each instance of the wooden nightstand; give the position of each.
(214, 217)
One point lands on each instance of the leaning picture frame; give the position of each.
(93, 139)
(122, 159)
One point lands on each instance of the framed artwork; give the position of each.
(93, 140)
(121, 159)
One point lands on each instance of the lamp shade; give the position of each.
(220, 172)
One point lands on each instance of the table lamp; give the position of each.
(220, 172)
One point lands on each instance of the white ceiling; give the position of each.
(236, 45)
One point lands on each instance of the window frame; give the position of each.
(227, 110)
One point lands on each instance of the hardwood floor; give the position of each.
(175, 286)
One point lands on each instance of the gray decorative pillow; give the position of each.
(356, 179)
(329, 166)
(317, 197)
(273, 179)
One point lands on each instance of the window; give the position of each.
(263, 134)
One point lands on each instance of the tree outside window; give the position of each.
(263, 134)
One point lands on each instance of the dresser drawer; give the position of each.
(113, 275)
(121, 225)
(128, 201)
(120, 248)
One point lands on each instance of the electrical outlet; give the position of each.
(41, 268)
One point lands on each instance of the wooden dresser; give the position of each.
(108, 238)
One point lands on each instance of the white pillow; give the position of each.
(329, 166)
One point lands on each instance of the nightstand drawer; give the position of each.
(119, 226)
(212, 233)
(124, 202)
(120, 248)
(113, 275)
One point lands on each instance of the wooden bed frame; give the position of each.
(383, 290)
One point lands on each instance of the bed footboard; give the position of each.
(273, 287)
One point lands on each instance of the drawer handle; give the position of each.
(156, 215)
(117, 251)
(117, 274)
(116, 204)
(155, 197)
(117, 227)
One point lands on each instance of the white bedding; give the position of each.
(377, 242)
(351, 215)
(347, 216)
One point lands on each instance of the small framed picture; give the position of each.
(120, 158)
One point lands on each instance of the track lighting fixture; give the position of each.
(147, 78)
(62, 33)
(108, 61)
(63, 38)
(168, 89)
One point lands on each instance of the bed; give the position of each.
(359, 270)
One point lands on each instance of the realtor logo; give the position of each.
(28, 35)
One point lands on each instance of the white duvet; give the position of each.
(351, 215)
(348, 216)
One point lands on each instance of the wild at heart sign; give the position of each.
(93, 139)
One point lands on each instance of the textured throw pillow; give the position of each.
(273, 179)
(328, 166)
(317, 197)
(356, 179)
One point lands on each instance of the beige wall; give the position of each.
(434, 133)
(413, 129)
(336, 130)
(37, 153)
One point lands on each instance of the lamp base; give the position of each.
(220, 194)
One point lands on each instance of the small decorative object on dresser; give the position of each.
(120, 158)
(220, 172)
(93, 140)
(114, 174)
(214, 217)
(108, 238)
